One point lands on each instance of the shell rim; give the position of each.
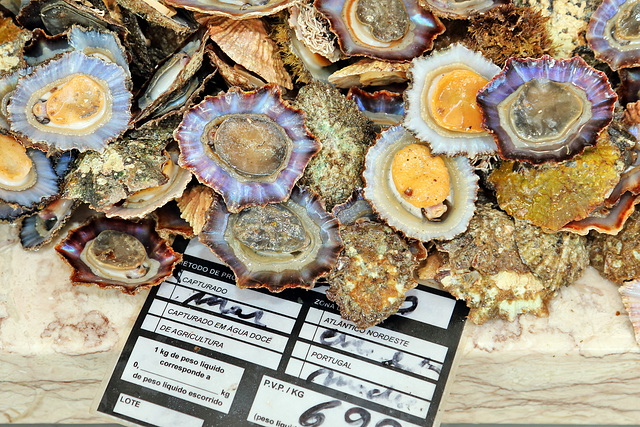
(144, 230)
(518, 71)
(386, 139)
(602, 48)
(238, 195)
(71, 63)
(212, 236)
(427, 28)
(471, 145)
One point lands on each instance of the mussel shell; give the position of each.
(301, 270)
(157, 249)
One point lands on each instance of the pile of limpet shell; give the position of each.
(357, 143)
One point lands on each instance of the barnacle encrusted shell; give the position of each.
(389, 205)
(117, 253)
(460, 9)
(144, 201)
(250, 147)
(448, 118)
(630, 293)
(277, 246)
(613, 33)
(76, 101)
(503, 267)
(345, 134)
(130, 164)
(373, 272)
(27, 176)
(552, 194)
(385, 29)
(617, 257)
(546, 109)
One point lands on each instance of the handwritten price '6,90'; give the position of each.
(313, 417)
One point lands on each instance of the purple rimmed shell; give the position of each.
(45, 188)
(607, 43)
(582, 81)
(383, 107)
(157, 249)
(113, 121)
(300, 269)
(238, 194)
(421, 29)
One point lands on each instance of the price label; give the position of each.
(206, 353)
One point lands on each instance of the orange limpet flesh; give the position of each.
(420, 178)
(15, 164)
(453, 101)
(81, 98)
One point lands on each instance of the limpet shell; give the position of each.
(546, 109)
(387, 203)
(109, 121)
(159, 255)
(241, 180)
(268, 267)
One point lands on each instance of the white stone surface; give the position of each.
(579, 365)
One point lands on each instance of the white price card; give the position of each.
(206, 353)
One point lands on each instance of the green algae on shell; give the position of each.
(374, 270)
(345, 134)
(552, 194)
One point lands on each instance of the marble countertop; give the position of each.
(580, 365)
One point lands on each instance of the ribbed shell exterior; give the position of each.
(384, 198)
(72, 63)
(604, 45)
(424, 27)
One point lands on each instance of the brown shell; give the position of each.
(370, 72)
(248, 44)
(194, 204)
(372, 274)
(157, 249)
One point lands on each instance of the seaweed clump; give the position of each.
(507, 31)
